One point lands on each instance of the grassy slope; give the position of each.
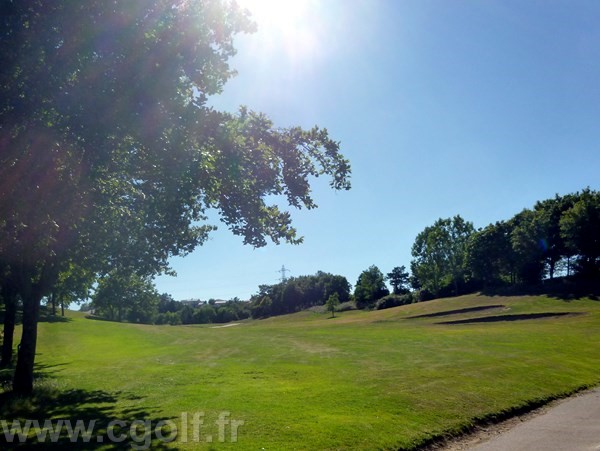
(362, 380)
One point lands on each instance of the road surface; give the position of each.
(572, 424)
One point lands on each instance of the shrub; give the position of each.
(424, 295)
(393, 300)
(345, 306)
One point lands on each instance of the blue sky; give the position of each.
(477, 108)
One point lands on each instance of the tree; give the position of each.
(439, 253)
(72, 284)
(111, 155)
(225, 314)
(187, 314)
(166, 303)
(9, 294)
(205, 315)
(527, 246)
(580, 228)
(125, 295)
(291, 298)
(399, 279)
(459, 232)
(548, 215)
(298, 293)
(370, 287)
(261, 308)
(533, 244)
(490, 256)
(332, 302)
(429, 262)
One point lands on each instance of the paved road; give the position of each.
(571, 425)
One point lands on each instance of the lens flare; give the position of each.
(292, 29)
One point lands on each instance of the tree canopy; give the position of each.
(558, 236)
(332, 302)
(370, 287)
(399, 279)
(580, 230)
(111, 156)
(298, 293)
(439, 253)
(125, 295)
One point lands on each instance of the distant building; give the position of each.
(193, 302)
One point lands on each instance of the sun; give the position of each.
(289, 26)
(277, 13)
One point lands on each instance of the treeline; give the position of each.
(333, 292)
(298, 293)
(218, 312)
(126, 296)
(557, 237)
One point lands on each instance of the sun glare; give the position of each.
(291, 26)
(280, 13)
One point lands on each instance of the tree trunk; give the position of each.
(53, 300)
(62, 308)
(10, 313)
(31, 294)
(23, 379)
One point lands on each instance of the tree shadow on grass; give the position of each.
(99, 318)
(6, 376)
(49, 318)
(92, 413)
(562, 288)
(521, 317)
(40, 372)
(45, 317)
(458, 311)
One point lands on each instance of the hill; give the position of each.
(390, 379)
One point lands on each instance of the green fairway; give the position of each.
(385, 379)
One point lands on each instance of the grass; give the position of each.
(389, 379)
